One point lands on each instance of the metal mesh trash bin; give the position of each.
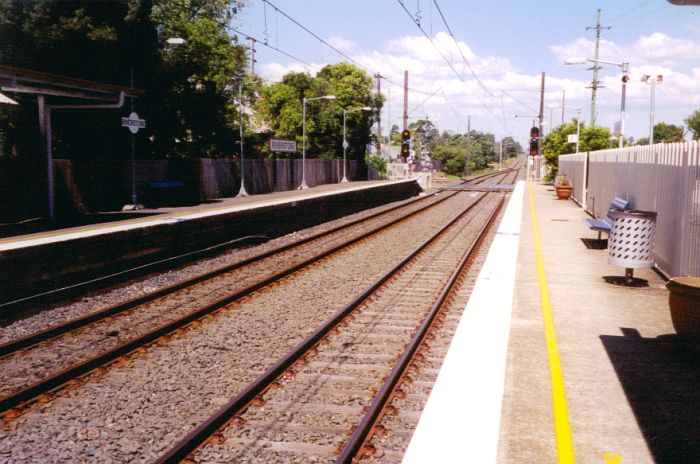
(631, 242)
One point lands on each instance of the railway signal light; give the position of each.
(534, 141)
(405, 144)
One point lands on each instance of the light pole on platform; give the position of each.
(242, 192)
(345, 141)
(303, 185)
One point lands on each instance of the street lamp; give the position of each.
(242, 192)
(625, 70)
(659, 79)
(345, 142)
(303, 185)
(578, 127)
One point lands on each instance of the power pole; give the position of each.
(252, 56)
(379, 117)
(541, 115)
(469, 141)
(595, 85)
(563, 101)
(405, 100)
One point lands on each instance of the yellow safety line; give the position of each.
(565, 448)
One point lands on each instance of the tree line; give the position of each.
(454, 149)
(191, 99)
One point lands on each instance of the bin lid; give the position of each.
(635, 213)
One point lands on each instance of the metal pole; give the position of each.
(242, 192)
(379, 118)
(303, 146)
(405, 100)
(133, 151)
(563, 101)
(651, 113)
(49, 160)
(578, 128)
(500, 155)
(622, 104)
(551, 122)
(345, 146)
(469, 141)
(541, 115)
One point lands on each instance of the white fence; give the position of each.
(664, 178)
(536, 167)
(403, 171)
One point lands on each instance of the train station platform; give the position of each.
(118, 241)
(552, 364)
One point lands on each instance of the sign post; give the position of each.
(133, 123)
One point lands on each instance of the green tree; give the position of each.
(511, 147)
(693, 123)
(425, 136)
(281, 110)
(187, 96)
(556, 142)
(668, 133)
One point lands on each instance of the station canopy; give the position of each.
(19, 80)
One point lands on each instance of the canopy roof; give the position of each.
(20, 80)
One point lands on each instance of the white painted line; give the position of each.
(461, 420)
(90, 231)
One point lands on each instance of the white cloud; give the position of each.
(344, 45)
(656, 49)
(514, 92)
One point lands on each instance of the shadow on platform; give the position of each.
(661, 378)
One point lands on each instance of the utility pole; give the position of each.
(563, 102)
(596, 66)
(405, 100)
(252, 55)
(541, 115)
(469, 141)
(379, 117)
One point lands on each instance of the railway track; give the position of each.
(72, 387)
(336, 380)
(44, 361)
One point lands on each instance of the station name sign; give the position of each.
(283, 145)
(133, 123)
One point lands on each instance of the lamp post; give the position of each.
(303, 185)
(242, 192)
(625, 77)
(659, 79)
(345, 142)
(578, 127)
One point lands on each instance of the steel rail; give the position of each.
(32, 391)
(71, 291)
(201, 433)
(376, 409)
(60, 329)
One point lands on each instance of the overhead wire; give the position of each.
(459, 49)
(444, 58)
(246, 36)
(341, 53)
(520, 101)
(423, 102)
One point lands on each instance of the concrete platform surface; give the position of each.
(629, 387)
(109, 222)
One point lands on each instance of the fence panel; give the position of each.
(664, 178)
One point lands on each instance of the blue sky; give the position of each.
(507, 43)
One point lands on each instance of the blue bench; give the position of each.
(605, 224)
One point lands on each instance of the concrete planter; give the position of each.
(684, 302)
